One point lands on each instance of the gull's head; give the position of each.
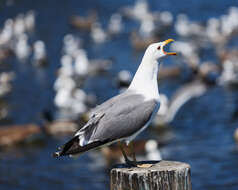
(156, 50)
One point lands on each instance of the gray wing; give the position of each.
(118, 118)
(109, 103)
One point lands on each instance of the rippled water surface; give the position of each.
(203, 129)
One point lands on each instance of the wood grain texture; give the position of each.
(163, 175)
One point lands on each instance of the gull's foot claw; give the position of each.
(139, 165)
(131, 163)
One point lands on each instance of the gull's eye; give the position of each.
(158, 48)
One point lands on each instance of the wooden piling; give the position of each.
(162, 175)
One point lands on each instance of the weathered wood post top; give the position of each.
(162, 175)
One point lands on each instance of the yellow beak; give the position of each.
(165, 43)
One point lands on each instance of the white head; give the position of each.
(156, 50)
(147, 73)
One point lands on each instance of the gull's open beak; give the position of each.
(164, 44)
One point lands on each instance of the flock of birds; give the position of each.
(75, 69)
(17, 40)
(193, 39)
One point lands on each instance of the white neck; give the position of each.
(145, 79)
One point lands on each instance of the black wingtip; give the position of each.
(68, 148)
(58, 153)
(72, 147)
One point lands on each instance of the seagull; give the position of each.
(124, 116)
(115, 25)
(39, 53)
(29, 21)
(170, 107)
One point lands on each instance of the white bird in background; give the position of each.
(189, 52)
(147, 27)
(39, 53)
(22, 48)
(63, 99)
(169, 108)
(19, 25)
(186, 28)
(139, 11)
(79, 100)
(182, 25)
(152, 150)
(5, 83)
(229, 63)
(98, 35)
(124, 78)
(213, 29)
(229, 73)
(29, 21)
(166, 18)
(66, 68)
(81, 65)
(115, 25)
(187, 48)
(64, 83)
(70, 100)
(229, 21)
(71, 44)
(7, 33)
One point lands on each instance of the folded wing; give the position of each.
(116, 119)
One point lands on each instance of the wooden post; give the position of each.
(162, 175)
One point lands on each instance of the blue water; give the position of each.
(203, 129)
